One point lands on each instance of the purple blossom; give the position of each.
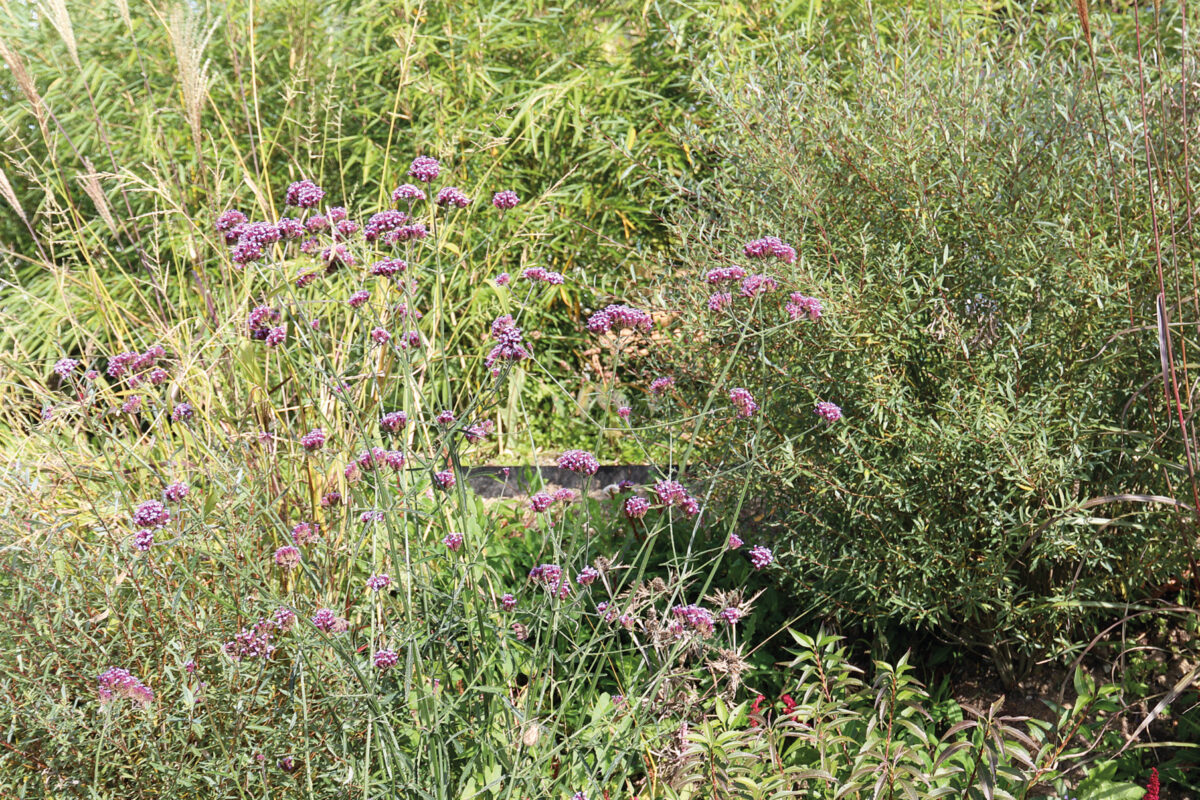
(732, 615)
(661, 385)
(65, 366)
(479, 431)
(313, 440)
(540, 502)
(735, 541)
(290, 228)
(424, 169)
(503, 279)
(757, 284)
(304, 194)
(828, 412)
(624, 412)
(306, 533)
(228, 222)
(132, 405)
(386, 659)
(580, 461)
(636, 507)
(331, 499)
(587, 576)
(565, 495)
(288, 556)
(543, 275)
(744, 402)
(393, 421)
(800, 306)
(508, 602)
(335, 257)
(182, 412)
(115, 682)
(453, 541)
(151, 514)
(328, 621)
(718, 301)
(444, 417)
(383, 222)
(337, 214)
(379, 582)
(389, 267)
(696, 617)
(770, 247)
(380, 335)
(316, 224)
(176, 491)
(283, 619)
(406, 192)
(253, 642)
(760, 557)
(144, 539)
(444, 479)
(359, 298)
(616, 317)
(510, 346)
(723, 274)
(452, 196)
(505, 200)
(276, 336)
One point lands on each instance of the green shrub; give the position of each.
(951, 200)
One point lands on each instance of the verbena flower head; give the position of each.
(770, 247)
(424, 169)
(624, 412)
(383, 222)
(65, 366)
(616, 317)
(115, 682)
(253, 642)
(452, 196)
(761, 557)
(386, 659)
(735, 541)
(509, 340)
(800, 306)
(445, 417)
(755, 285)
(380, 335)
(393, 421)
(505, 200)
(144, 539)
(744, 402)
(228, 222)
(378, 583)
(290, 228)
(503, 279)
(151, 514)
(389, 267)
(565, 495)
(828, 412)
(580, 461)
(540, 502)
(304, 194)
(444, 479)
(276, 336)
(132, 405)
(313, 440)
(407, 193)
(543, 275)
(731, 615)
(176, 491)
(508, 602)
(317, 223)
(327, 620)
(719, 301)
(182, 412)
(306, 533)
(587, 576)
(661, 385)
(636, 507)
(724, 274)
(359, 298)
(283, 619)
(288, 556)
(453, 541)
(696, 617)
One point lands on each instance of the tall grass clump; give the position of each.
(964, 220)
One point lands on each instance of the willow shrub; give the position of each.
(984, 258)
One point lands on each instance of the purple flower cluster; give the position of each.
(452, 196)
(757, 284)
(132, 366)
(255, 641)
(389, 267)
(424, 169)
(761, 557)
(260, 321)
(553, 578)
(407, 193)
(744, 401)
(661, 385)
(505, 200)
(359, 298)
(144, 539)
(587, 576)
(327, 620)
(288, 557)
(379, 582)
(444, 479)
(306, 533)
(800, 306)
(616, 317)
(723, 274)
(453, 541)
(393, 421)
(672, 493)
(115, 682)
(540, 502)
(719, 301)
(151, 514)
(508, 602)
(382, 223)
(509, 342)
(182, 412)
(828, 412)
(304, 194)
(770, 247)
(698, 618)
(313, 440)
(543, 275)
(386, 659)
(176, 491)
(636, 507)
(580, 461)
(65, 366)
